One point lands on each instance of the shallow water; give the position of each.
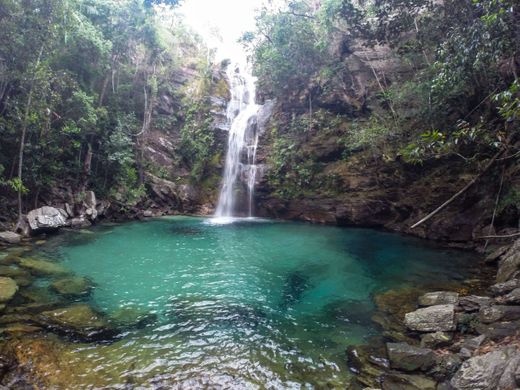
(251, 304)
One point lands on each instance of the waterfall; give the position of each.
(242, 142)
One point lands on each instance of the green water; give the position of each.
(243, 305)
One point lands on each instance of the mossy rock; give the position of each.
(80, 321)
(8, 288)
(13, 271)
(74, 286)
(43, 267)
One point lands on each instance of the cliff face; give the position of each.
(312, 173)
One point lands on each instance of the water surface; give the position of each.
(252, 304)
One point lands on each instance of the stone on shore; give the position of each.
(10, 237)
(497, 313)
(405, 357)
(438, 298)
(432, 319)
(46, 218)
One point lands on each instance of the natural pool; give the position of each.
(252, 304)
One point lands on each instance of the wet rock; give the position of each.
(498, 313)
(46, 218)
(485, 372)
(396, 381)
(504, 287)
(513, 297)
(438, 298)
(408, 358)
(16, 317)
(473, 303)
(78, 320)
(368, 370)
(498, 330)
(13, 272)
(43, 267)
(8, 288)
(80, 223)
(131, 317)
(19, 329)
(75, 286)
(436, 340)
(10, 237)
(432, 319)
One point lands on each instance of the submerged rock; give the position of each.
(46, 218)
(10, 237)
(405, 357)
(131, 317)
(439, 298)
(43, 267)
(491, 371)
(432, 319)
(78, 320)
(8, 288)
(74, 286)
(294, 287)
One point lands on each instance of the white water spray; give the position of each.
(242, 142)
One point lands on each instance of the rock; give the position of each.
(78, 320)
(405, 357)
(396, 381)
(75, 286)
(69, 210)
(508, 267)
(432, 319)
(148, 213)
(102, 208)
(485, 372)
(498, 330)
(367, 369)
(43, 267)
(436, 340)
(13, 272)
(46, 218)
(472, 303)
(513, 297)
(131, 317)
(8, 288)
(90, 200)
(10, 237)
(498, 313)
(504, 287)
(91, 213)
(474, 342)
(19, 329)
(438, 298)
(496, 254)
(80, 223)
(445, 366)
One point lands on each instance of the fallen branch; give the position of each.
(504, 236)
(466, 187)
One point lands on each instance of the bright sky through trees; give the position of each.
(221, 22)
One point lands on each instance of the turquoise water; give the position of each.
(244, 305)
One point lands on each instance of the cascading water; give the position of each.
(242, 142)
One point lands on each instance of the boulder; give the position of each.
(436, 340)
(396, 381)
(509, 266)
(77, 320)
(10, 237)
(90, 200)
(80, 223)
(498, 313)
(499, 330)
(43, 267)
(148, 213)
(405, 357)
(432, 319)
(513, 297)
(486, 372)
(473, 303)
(505, 287)
(8, 288)
(46, 218)
(438, 298)
(75, 286)
(496, 254)
(446, 365)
